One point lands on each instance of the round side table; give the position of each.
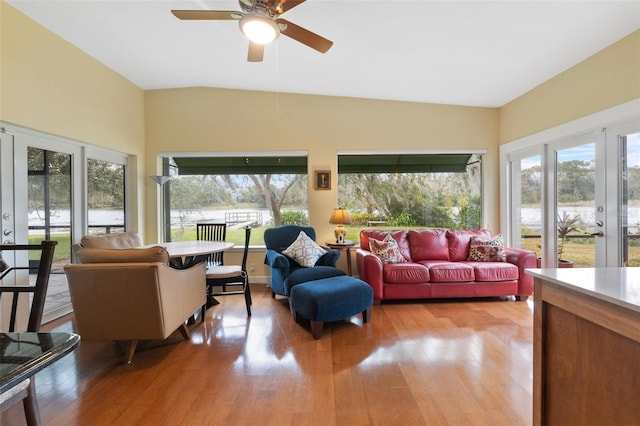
(347, 246)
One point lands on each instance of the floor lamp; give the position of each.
(166, 224)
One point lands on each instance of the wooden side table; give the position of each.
(347, 246)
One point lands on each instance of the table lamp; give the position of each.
(340, 216)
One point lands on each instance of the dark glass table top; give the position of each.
(24, 354)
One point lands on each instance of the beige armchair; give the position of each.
(124, 298)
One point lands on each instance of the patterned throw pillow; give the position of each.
(304, 250)
(487, 250)
(387, 250)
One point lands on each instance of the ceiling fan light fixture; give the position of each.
(259, 28)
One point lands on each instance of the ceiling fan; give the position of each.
(260, 21)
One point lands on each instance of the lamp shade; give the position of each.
(160, 180)
(340, 216)
(259, 28)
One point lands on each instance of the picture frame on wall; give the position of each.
(323, 179)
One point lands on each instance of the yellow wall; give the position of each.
(51, 86)
(610, 77)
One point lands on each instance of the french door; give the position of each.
(577, 199)
(39, 203)
(57, 189)
(577, 202)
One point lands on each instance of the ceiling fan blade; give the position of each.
(216, 15)
(281, 6)
(305, 36)
(256, 52)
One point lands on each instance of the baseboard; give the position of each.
(264, 280)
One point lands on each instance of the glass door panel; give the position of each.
(527, 203)
(105, 196)
(630, 200)
(49, 216)
(580, 211)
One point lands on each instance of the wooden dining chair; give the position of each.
(25, 390)
(223, 280)
(212, 231)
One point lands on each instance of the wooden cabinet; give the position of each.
(586, 346)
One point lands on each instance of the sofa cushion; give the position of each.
(127, 255)
(459, 240)
(119, 240)
(304, 250)
(487, 250)
(428, 244)
(387, 250)
(494, 271)
(399, 236)
(451, 272)
(405, 273)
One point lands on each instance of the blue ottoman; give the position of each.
(330, 299)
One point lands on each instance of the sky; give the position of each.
(586, 153)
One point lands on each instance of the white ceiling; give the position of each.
(476, 53)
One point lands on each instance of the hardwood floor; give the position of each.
(417, 363)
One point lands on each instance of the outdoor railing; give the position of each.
(244, 218)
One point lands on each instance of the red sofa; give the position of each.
(436, 266)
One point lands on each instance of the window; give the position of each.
(261, 191)
(419, 190)
(105, 196)
(526, 178)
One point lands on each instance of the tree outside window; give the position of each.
(258, 199)
(413, 199)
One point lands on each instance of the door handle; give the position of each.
(597, 234)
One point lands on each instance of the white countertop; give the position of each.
(620, 286)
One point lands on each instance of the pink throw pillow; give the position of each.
(387, 250)
(487, 250)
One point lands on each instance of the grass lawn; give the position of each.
(583, 252)
(63, 248)
(234, 235)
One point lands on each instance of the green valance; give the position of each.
(240, 165)
(405, 163)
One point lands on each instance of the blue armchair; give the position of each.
(286, 272)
